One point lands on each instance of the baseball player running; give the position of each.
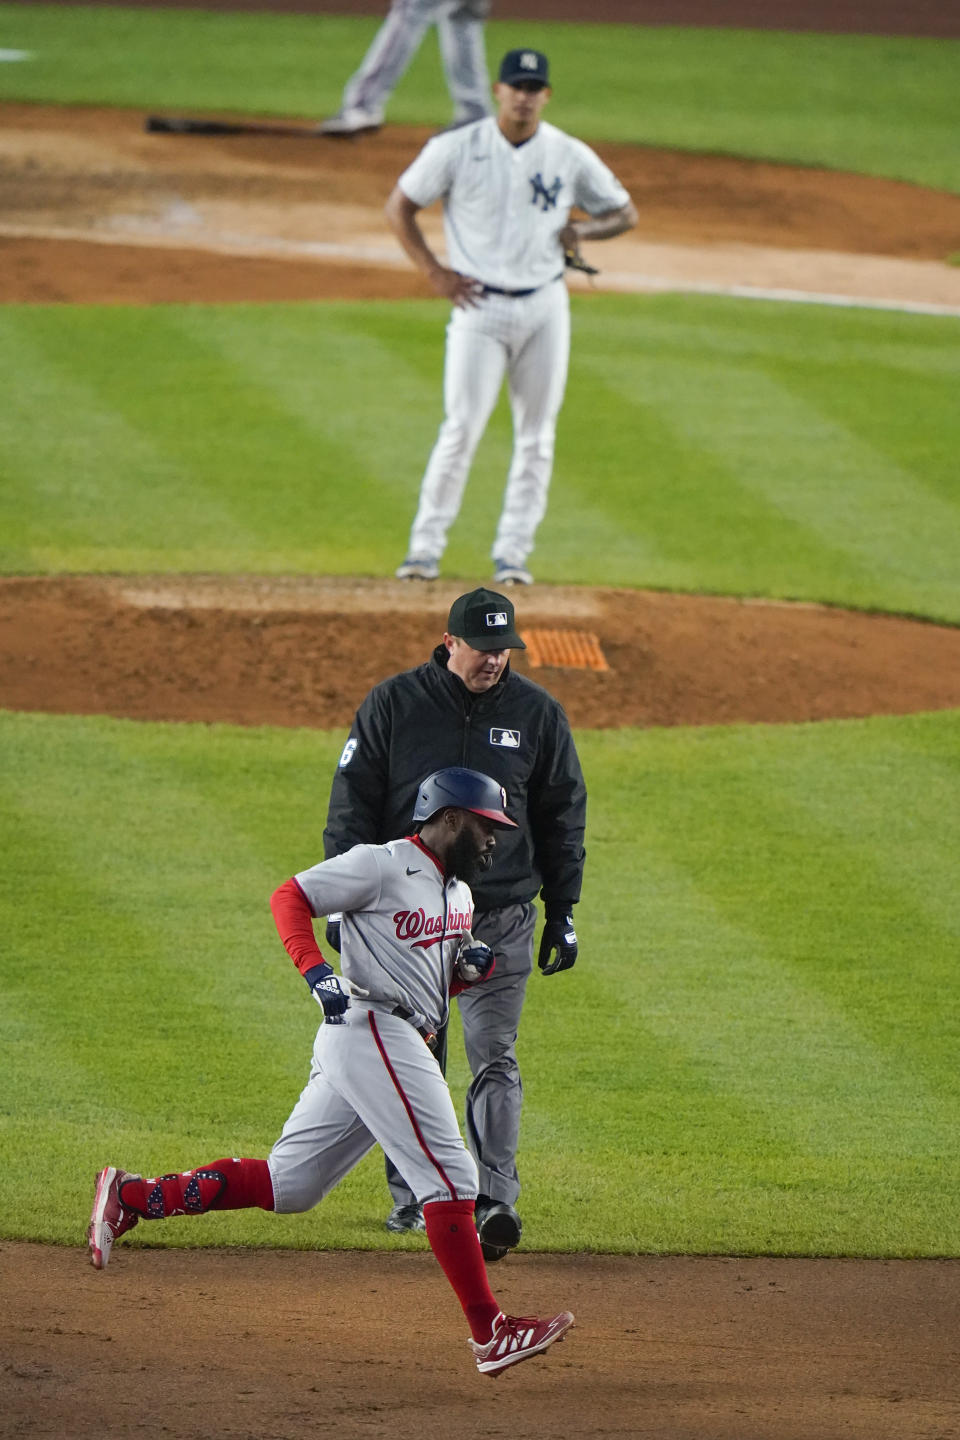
(406, 946)
(508, 184)
(460, 33)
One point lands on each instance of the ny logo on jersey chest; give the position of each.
(544, 195)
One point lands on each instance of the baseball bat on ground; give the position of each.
(184, 125)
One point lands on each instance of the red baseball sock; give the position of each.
(223, 1185)
(453, 1239)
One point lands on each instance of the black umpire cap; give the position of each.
(485, 620)
(519, 65)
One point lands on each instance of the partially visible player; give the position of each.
(508, 184)
(460, 33)
(405, 944)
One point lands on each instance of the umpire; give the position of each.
(465, 706)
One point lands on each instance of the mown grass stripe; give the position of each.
(830, 844)
(692, 450)
(72, 459)
(164, 380)
(902, 413)
(756, 1050)
(873, 517)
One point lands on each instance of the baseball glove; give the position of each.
(573, 260)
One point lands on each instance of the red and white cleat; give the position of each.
(518, 1337)
(110, 1218)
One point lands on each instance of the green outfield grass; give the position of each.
(755, 1053)
(883, 106)
(757, 1050)
(706, 444)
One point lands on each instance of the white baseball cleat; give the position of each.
(110, 1218)
(352, 121)
(518, 1337)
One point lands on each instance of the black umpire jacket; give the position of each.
(425, 719)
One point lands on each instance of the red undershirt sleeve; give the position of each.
(294, 921)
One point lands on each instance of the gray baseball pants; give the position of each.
(490, 1015)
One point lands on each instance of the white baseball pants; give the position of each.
(460, 33)
(528, 339)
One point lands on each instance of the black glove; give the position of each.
(575, 261)
(325, 988)
(559, 935)
(332, 934)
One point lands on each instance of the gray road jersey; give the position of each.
(401, 925)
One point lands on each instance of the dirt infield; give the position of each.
(245, 1345)
(286, 651)
(94, 209)
(288, 1346)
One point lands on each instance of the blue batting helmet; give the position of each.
(462, 789)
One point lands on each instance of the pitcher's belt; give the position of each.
(519, 294)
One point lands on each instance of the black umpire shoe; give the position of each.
(405, 1217)
(498, 1226)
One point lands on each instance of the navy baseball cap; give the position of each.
(485, 620)
(524, 65)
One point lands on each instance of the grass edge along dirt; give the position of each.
(873, 104)
(706, 445)
(755, 1054)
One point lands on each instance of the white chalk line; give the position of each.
(134, 231)
(652, 283)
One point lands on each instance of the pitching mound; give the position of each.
(304, 650)
(94, 209)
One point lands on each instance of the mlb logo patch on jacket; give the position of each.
(506, 739)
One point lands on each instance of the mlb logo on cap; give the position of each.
(485, 621)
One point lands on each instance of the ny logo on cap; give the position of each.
(529, 61)
(495, 619)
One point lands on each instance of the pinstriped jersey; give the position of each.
(402, 922)
(504, 205)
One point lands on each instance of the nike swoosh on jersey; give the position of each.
(412, 872)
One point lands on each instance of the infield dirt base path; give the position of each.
(281, 1345)
(94, 209)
